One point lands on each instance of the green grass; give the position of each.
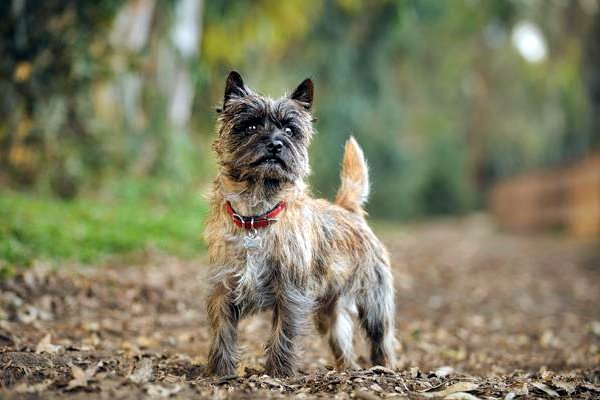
(132, 216)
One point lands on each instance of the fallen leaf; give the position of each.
(566, 386)
(274, 382)
(26, 387)
(381, 370)
(162, 391)
(589, 386)
(547, 375)
(224, 379)
(146, 342)
(414, 372)
(77, 372)
(457, 387)
(142, 372)
(442, 372)
(364, 395)
(81, 378)
(376, 388)
(130, 349)
(461, 396)
(45, 346)
(520, 389)
(545, 388)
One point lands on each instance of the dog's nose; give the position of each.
(275, 146)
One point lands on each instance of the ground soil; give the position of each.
(481, 314)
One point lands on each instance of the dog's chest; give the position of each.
(272, 247)
(258, 246)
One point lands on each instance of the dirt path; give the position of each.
(479, 312)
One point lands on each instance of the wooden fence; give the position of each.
(566, 198)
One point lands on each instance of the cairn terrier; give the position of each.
(274, 247)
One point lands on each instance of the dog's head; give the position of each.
(261, 140)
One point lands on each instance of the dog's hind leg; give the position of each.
(334, 322)
(324, 309)
(341, 335)
(376, 310)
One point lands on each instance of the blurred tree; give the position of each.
(49, 56)
(592, 76)
(440, 94)
(156, 56)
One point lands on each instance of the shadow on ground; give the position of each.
(480, 314)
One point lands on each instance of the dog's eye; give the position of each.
(251, 129)
(288, 130)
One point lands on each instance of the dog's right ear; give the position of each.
(234, 87)
(304, 93)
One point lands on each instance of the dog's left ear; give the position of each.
(304, 94)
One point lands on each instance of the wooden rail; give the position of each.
(566, 198)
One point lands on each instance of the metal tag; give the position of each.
(252, 240)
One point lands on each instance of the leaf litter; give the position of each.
(481, 315)
(81, 377)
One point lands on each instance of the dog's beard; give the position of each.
(248, 164)
(270, 166)
(271, 162)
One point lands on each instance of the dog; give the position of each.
(274, 247)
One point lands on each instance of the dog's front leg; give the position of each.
(289, 319)
(223, 315)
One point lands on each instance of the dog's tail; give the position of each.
(354, 189)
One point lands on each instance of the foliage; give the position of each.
(434, 91)
(131, 216)
(51, 55)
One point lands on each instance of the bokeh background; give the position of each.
(107, 111)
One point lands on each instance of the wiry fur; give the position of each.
(354, 188)
(319, 260)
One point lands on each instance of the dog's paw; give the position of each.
(279, 371)
(220, 366)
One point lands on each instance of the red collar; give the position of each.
(259, 221)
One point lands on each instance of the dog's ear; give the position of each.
(234, 87)
(304, 94)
